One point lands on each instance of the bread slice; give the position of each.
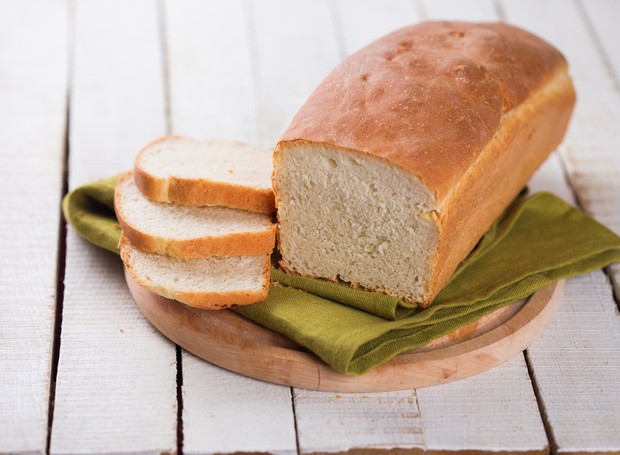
(209, 283)
(188, 231)
(405, 154)
(206, 172)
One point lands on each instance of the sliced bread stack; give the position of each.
(197, 221)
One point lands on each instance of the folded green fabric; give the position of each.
(537, 241)
(90, 210)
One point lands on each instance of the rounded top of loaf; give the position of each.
(427, 98)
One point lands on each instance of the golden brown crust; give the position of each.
(202, 300)
(427, 98)
(200, 191)
(528, 135)
(153, 188)
(208, 192)
(235, 244)
(221, 300)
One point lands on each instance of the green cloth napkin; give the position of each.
(537, 241)
(90, 210)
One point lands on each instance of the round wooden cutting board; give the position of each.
(238, 344)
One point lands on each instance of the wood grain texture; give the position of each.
(213, 93)
(116, 390)
(361, 22)
(603, 17)
(117, 100)
(227, 413)
(32, 128)
(575, 363)
(591, 153)
(211, 69)
(494, 411)
(295, 44)
(116, 387)
(340, 423)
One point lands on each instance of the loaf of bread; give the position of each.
(206, 172)
(185, 232)
(404, 155)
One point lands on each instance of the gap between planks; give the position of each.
(60, 272)
(553, 446)
(62, 232)
(179, 358)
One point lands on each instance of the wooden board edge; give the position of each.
(293, 367)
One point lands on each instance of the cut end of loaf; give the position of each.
(206, 172)
(354, 217)
(208, 283)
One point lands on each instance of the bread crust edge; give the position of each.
(236, 244)
(203, 300)
(187, 191)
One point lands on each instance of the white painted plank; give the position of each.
(117, 103)
(493, 411)
(116, 389)
(296, 48)
(213, 94)
(224, 412)
(604, 16)
(32, 128)
(116, 385)
(463, 10)
(334, 422)
(211, 71)
(576, 363)
(591, 153)
(367, 20)
(550, 177)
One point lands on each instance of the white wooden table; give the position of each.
(85, 84)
